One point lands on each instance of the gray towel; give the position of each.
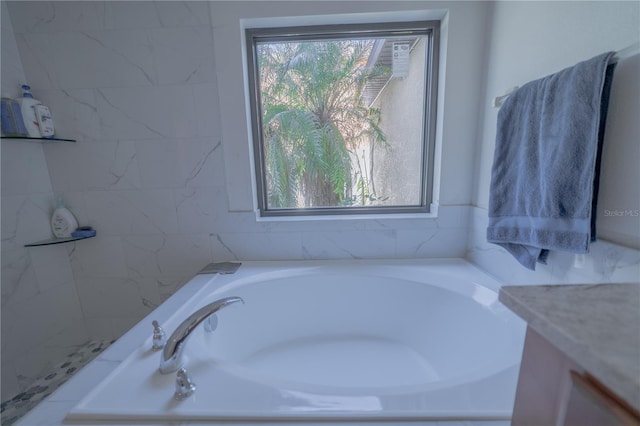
(544, 178)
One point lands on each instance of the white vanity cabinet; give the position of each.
(581, 359)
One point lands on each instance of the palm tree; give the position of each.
(314, 118)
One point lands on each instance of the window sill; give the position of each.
(433, 214)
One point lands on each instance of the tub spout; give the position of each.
(171, 357)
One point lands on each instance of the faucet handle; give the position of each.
(211, 323)
(184, 386)
(159, 338)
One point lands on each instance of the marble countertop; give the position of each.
(596, 325)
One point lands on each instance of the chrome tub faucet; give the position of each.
(171, 357)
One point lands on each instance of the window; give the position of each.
(343, 117)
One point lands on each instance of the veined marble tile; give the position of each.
(71, 336)
(99, 257)
(179, 163)
(41, 358)
(325, 224)
(12, 69)
(183, 13)
(447, 217)
(74, 112)
(131, 15)
(26, 219)
(207, 107)
(52, 16)
(203, 163)
(51, 266)
(9, 380)
(149, 291)
(35, 320)
(122, 324)
(445, 242)
(161, 162)
(168, 287)
(132, 212)
(349, 244)
(156, 14)
(90, 59)
(110, 298)
(606, 262)
(147, 112)
(18, 278)
(256, 246)
(100, 328)
(92, 373)
(86, 166)
(612, 263)
(38, 59)
(196, 210)
(166, 257)
(18, 179)
(183, 55)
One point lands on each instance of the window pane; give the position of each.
(342, 121)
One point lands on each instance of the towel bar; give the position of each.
(625, 53)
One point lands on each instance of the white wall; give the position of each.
(41, 315)
(134, 83)
(528, 41)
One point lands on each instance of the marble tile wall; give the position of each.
(605, 263)
(41, 314)
(135, 84)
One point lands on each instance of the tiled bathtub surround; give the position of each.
(136, 84)
(605, 263)
(41, 314)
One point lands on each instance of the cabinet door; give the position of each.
(553, 390)
(591, 404)
(543, 383)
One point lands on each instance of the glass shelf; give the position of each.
(39, 139)
(52, 241)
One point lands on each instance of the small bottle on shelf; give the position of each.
(27, 106)
(63, 223)
(45, 121)
(12, 122)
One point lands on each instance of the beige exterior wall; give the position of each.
(397, 167)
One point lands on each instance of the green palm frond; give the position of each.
(313, 113)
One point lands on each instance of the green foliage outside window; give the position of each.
(314, 119)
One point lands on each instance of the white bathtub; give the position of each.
(412, 340)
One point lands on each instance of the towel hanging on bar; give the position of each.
(544, 179)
